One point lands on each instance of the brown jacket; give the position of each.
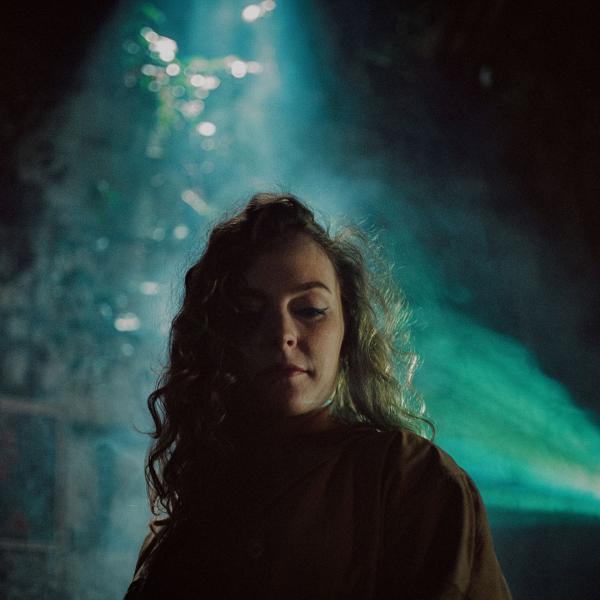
(349, 513)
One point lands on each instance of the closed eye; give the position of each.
(312, 312)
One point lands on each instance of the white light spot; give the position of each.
(192, 108)
(211, 82)
(149, 35)
(251, 13)
(181, 232)
(127, 322)
(194, 199)
(206, 128)
(238, 68)
(254, 67)
(165, 48)
(268, 5)
(149, 70)
(197, 80)
(149, 288)
(173, 69)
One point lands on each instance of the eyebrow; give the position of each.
(303, 287)
(309, 285)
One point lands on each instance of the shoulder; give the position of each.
(423, 482)
(403, 449)
(157, 530)
(411, 463)
(436, 534)
(416, 459)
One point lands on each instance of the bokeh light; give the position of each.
(206, 128)
(251, 12)
(127, 322)
(238, 68)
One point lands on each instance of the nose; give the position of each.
(280, 331)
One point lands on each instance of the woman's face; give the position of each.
(291, 328)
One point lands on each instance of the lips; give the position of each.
(284, 370)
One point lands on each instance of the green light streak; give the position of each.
(517, 431)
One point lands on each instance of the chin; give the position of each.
(290, 406)
(280, 405)
(299, 407)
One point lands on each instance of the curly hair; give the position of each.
(195, 392)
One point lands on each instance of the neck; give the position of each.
(311, 422)
(281, 428)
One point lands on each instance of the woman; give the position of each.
(287, 460)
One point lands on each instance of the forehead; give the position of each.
(295, 261)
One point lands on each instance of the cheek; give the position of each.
(327, 347)
(247, 339)
(247, 354)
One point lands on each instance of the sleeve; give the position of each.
(135, 590)
(437, 541)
